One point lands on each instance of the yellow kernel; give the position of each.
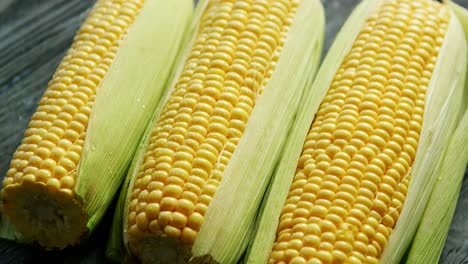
(308, 252)
(180, 173)
(142, 196)
(132, 218)
(59, 172)
(185, 206)
(43, 175)
(66, 192)
(144, 182)
(67, 164)
(142, 221)
(30, 170)
(172, 231)
(298, 260)
(195, 221)
(164, 218)
(290, 253)
(134, 232)
(324, 256)
(188, 235)
(67, 182)
(319, 211)
(7, 181)
(296, 244)
(154, 196)
(154, 226)
(30, 178)
(178, 220)
(276, 255)
(201, 208)
(42, 152)
(339, 256)
(155, 185)
(141, 206)
(311, 241)
(53, 183)
(173, 191)
(48, 164)
(168, 204)
(152, 210)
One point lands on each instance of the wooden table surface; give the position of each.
(34, 35)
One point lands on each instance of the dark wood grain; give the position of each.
(34, 35)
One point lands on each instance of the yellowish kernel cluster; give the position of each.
(353, 174)
(233, 56)
(50, 151)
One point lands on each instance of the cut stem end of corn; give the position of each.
(53, 217)
(159, 249)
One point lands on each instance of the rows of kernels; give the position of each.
(51, 148)
(194, 138)
(352, 176)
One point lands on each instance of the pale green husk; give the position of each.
(268, 219)
(228, 222)
(126, 100)
(230, 217)
(433, 229)
(442, 111)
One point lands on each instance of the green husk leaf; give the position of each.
(441, 115)
(433, 229)
(116, 249)
(126, 100)
(268, 218)
(230, 217)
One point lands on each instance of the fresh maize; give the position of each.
(353, 189)
(218, 135)
(79, 142)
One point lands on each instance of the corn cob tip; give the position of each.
(51, 216)
(154, 249)
(162, 249)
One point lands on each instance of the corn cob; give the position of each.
(81, 139)
(430, 237)
(198, 179)
(353, 189)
